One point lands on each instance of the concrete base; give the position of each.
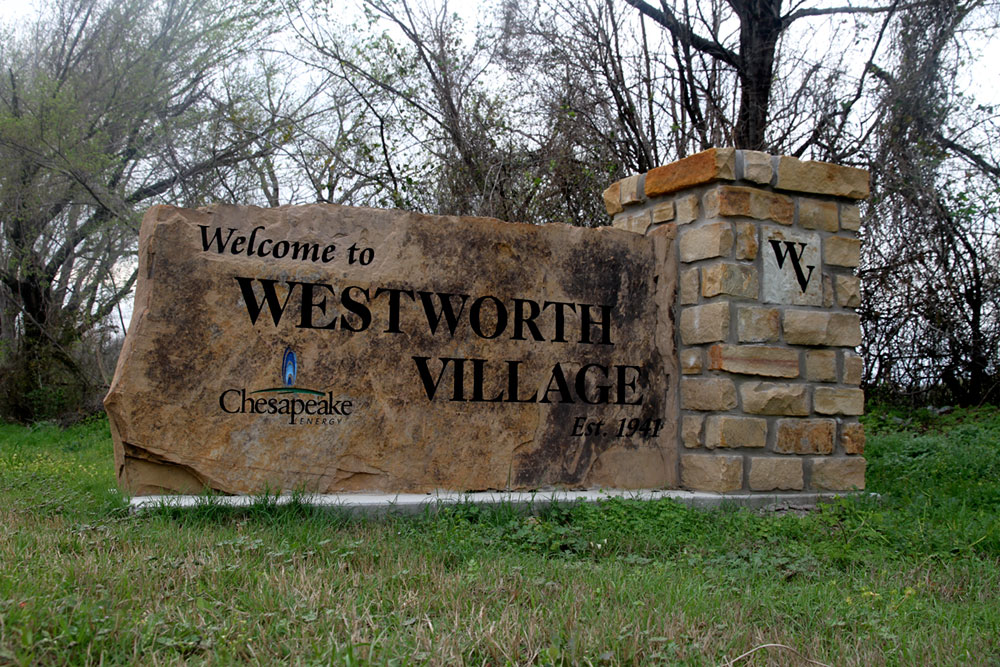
(412, 503)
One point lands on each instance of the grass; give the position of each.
(911, 579)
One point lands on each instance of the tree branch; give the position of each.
(105, 309)
(813, 11)
(685, 34)
(967, 153)
(936, 134)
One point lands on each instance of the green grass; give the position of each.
(913, 578)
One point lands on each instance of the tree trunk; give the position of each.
(41, 369)
(760, 28)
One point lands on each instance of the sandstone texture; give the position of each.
(705, 167)
(689, 287)
(821, 366)
(754, 360)
(757, 167)
(852, 437)
(686, 209)
(714, 240)
(613, 198)
(854, 369)
(729, 201)
(719, 473)
(765, 398)
(630, 192)
(663, 212)
(691, 361)
(839, 474)
(848, 291)
(735, 431)
(705, 324)
(637, 223)
(817, 327)
(805, 436)
(728, 279)
(758, 325)
(816, 214)
(336, 349)
(691, 430)
(746, 241)
(821, 178)
(842, 251)
(708, 394)
(775, 474)
(835, 401)
(850, 217)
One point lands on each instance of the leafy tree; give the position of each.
(106, 106)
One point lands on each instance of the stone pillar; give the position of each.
(766, 248)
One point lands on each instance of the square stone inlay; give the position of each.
(793, 270)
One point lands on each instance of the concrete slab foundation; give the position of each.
(375, 504)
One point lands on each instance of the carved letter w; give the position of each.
(796, 260)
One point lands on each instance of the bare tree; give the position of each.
(932, 266)
(751, 52)
(449, 135)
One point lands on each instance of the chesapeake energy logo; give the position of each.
(308, 406)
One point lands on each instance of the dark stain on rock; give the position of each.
(203, 342)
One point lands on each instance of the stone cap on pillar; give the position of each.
(780, 172)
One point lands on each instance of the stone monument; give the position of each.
(334, 349)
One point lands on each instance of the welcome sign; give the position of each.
(334, 349)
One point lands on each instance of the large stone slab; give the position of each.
(334, 349)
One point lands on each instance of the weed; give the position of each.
(909, 577)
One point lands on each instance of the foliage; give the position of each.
(109, 107)
(549, 102)
(456, 132)
(910, 576)
(105, 108)
(931, 275)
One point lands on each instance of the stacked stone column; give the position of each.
(764, 316)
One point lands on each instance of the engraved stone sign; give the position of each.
(793, 272)
(332, 349)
